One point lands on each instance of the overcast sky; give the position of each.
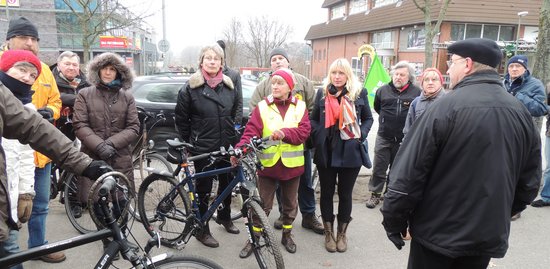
(202, 22)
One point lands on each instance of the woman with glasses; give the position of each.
(207, 109)
(432, 89)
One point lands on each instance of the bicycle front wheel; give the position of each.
(266, 250)
(185, 261)
(149, 160)
(163, 208)
(77, 211)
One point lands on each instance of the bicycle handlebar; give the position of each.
(254, 142)
(108, 184)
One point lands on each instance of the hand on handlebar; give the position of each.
(234, 161)
(96, 169)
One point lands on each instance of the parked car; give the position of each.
(159, 93)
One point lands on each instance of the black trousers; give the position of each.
(424, 258)
(204, 187)
(345, 178)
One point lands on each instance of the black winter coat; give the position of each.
(392, 107)
(206, 117)
(465, 167)
(345, 153)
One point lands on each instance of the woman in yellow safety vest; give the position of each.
(340, 120)
(285, 120)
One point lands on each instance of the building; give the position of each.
(59, 31)
(395, 28)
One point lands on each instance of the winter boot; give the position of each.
(206, 238)
(330, 242)
(288, 239)
(309, 221)
(341, 239)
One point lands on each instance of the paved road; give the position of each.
(368, 245)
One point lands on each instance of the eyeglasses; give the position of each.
(451, 62)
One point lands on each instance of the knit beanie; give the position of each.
(279, 51)
(287, 75)
(431, 69)
(519, 59)
(11, 57)
(21, 26)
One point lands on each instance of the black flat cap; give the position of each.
(481, 50)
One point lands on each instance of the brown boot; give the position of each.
(55, 257)
(206, 238)
(229, 226)
(330, 242)
(288, 241)
(341, 239)
(309, 221)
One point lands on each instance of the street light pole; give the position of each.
(520, 14)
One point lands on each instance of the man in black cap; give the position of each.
(466, 166)
(23, 35)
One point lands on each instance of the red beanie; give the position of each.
(434, 70)
(286, 74)
(10, 57)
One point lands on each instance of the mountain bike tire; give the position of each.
(185, 261)
(266, 248)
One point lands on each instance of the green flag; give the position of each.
(376, 77)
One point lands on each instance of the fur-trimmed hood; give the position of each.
(196, 80)
(108, 58)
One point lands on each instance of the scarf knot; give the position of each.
(214, 81)
(342, 113)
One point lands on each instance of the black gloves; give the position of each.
(105, 150)
(397, 239)
(96, 168)
(47, 113)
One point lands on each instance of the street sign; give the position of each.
(163, 45)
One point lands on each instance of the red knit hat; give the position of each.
(11, 57)
(286, 74)
(434, 70)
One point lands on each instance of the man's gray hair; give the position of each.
(404, 64)
(68, 54)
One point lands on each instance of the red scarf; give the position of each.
(332, 109)
(212, 81)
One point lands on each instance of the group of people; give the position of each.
(98, 110)
(466, 160)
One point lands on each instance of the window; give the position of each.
(357, 66)
(494, 32)
(416, 39)
(356, 6)
(158, 92)
(382, 40)
(381, 3)
(337, 11)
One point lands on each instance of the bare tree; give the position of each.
(232, 38)
(541, 69)
(299, 55)
(431, 29)
(93, 18)
(264, 35)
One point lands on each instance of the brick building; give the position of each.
(395, 28)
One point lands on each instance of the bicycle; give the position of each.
(139, 257)
(170, 206)
(145, 160)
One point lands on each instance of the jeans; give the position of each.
(37, 222)
(10, 246)
(306, 193)
(545, 193)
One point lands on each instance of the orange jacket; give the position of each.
(45, 94)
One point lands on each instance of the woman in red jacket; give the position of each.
(285, 120)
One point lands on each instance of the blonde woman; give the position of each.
(340, 121)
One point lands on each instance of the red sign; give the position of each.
(113, 42)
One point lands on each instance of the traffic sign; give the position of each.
(163, 45)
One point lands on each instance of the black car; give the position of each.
(158, 94)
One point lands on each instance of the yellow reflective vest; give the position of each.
(291, 155)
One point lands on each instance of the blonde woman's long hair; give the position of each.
(352, 85)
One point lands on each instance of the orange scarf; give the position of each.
(344, 114)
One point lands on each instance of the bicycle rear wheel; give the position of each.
(152, 161)
(266, 250)
(82, 222)
(163, 208)
(185, 261)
